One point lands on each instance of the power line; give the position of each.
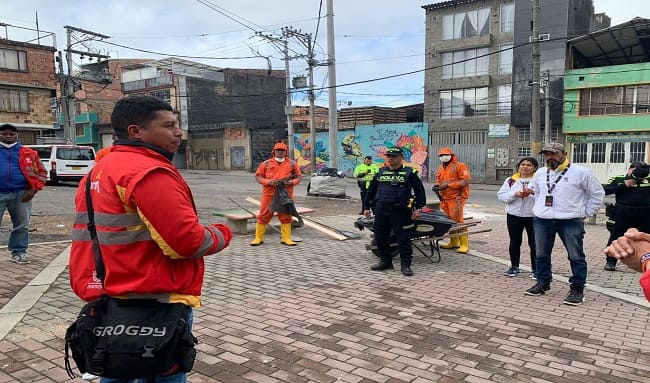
(177, 55)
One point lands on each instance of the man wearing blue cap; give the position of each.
(398, 195)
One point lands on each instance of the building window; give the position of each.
(555, 134)
(504, 103)
(617, 155)
(79, 130)
(598, 153)
(507, 17)
(163, 94)
(14, 100)
(637, 151)
(505, 59)
(459, 103)
(466, 24)
(13, 59)
(470, 62)
(523, 151)
(632, 99)
(523, 134)
(580, 153)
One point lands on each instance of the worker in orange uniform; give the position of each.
(270, 173)
(101, 153)
(452, 183)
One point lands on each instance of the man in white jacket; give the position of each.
(565, 194)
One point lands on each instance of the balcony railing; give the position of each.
(148, 83)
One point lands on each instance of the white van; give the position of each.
(65, 162)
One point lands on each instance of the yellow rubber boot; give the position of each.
(285, 234)
(453, 244)
(260, 229)
(464, 245)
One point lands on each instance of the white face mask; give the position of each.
(445, 158)
(8, 146)
(280, 159)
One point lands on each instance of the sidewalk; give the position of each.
(316, 313)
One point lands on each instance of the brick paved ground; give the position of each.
(315, 313)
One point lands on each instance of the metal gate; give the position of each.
(207, 150)
(262, 141)
(469, 147)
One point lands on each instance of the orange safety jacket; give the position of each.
(32, 168)
(457, 176)
(274, 170)
(150, 237)
(645, 284)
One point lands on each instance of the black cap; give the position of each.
(395, 150)
(8, 127)
(368, 157)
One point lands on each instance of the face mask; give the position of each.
(8, 146)
(280, 159)
(445, 158)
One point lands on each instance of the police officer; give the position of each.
(632, 192)
(395, 209)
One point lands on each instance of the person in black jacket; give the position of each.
(632, 208)
(398, 196)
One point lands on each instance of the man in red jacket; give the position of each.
(151, 241)
(633, 249)
(22, 175)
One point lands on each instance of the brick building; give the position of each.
(27, 88)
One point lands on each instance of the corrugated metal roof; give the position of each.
(448, 4)
(626, 43)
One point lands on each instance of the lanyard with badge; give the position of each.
(549, 198)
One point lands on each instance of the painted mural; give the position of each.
(367, 140)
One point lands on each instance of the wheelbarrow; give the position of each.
(429, 229)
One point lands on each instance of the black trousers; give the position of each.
(398, 222)
(516, 227)
(362, 192)
(627, 217)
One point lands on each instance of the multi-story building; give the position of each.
(607, 98)
(99, 89)
(230, 117)
(478, 60)
(28, 89)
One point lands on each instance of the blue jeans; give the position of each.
(20, 213)
(176, 378)
(572, 233)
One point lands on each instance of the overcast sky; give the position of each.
(374, 38)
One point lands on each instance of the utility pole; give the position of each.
(331, 68)
(547, 106)
(84, 36)
(283, 44)
(288, 107)
(535, 144)
(312, 109)
(66, 113)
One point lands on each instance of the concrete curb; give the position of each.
(14, 311)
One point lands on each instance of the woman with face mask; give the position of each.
(452, 186)
(519, 202)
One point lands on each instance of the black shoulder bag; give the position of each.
(128, 338)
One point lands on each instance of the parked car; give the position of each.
(65, 162)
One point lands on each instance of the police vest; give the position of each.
(394, 186)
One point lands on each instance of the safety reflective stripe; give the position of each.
(113, 237)
(110, 220)
(208, 242)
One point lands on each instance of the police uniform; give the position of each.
(632, 208)
(394, 194)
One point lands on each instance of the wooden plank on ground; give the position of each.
(311, 224)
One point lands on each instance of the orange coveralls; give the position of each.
(274, 170)
(456, 175)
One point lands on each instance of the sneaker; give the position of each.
(575, 296)
(610, 266)
(533, 276)
(512, 272)
(20, 258)
(538, 289)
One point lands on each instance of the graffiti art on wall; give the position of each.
(367, 140)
